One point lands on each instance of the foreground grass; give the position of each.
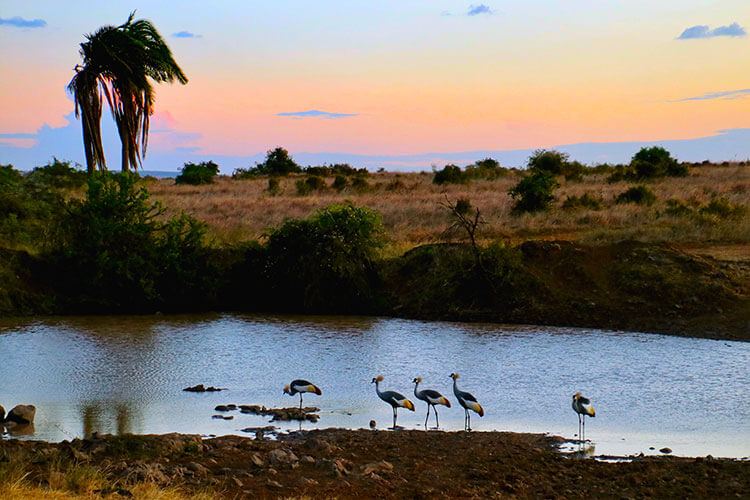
(23, 491)
(413, 214)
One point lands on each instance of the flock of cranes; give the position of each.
(582, 406)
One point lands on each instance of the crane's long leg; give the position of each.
(437, 419)
(584, 429)
(427, 417)
(300, 400)
(579, 427)
(466, 417)
(469, 415)
(394, 418)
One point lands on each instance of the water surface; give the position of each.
(125, 374)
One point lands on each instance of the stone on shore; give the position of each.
(22, 414)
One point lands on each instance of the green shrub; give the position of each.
(324, 262)
(584, 201)
(534, 192)
(9, 176)
(463, 206)
(640, 195)
(278, 162)
(677, 208)
(722, 208)
(274, 187)
(450, 174)
(361, 185)
(196, 174)
(310, 184)
(57, 174)
(551, 162)
(620, 173)
(489, 169)
(339, 182)
(574, 171)
(241, 174)
(654, 162)
(117, 254)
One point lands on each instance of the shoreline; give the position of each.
(337, 463)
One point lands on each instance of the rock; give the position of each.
(253, 409)
(381, 467)
(308, 459)
(320, 445)
(198, 469)
(202, 388)
(222, 417)
(306, 481)
(221, 408)
(281, 456)
(22, 414)
(238, 482)
(373, 424)
(342, 467)
(666, 450)
(256, 460)
(2, 413)
(274, 484)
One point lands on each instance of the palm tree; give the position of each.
(118, 62)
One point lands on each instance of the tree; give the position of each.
(551, 162)
(118, 62)
(278, 162)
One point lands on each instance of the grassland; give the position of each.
(413, 211)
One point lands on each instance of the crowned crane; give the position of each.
(393, 398)
(582, 406)
(432, 398)
(468, 401)
(301, 386)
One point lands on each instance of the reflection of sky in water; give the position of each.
(125, 374)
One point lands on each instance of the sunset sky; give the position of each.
(393, 78)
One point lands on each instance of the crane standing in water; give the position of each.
(432, 398)
(301, 386)
(468, 401)
(582, 406)
(393, 398)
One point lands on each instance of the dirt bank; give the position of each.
(369, 464)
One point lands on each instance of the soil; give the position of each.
(336, 463)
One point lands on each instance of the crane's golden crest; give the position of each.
(379, 378)
(418, 379)
(454, 376)
(576, 395)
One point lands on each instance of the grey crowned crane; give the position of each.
(393, 398)
(583, 407)
(432, 398)
(468, 401)
(301, 386)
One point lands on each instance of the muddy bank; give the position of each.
(627, 286)
(374, 464)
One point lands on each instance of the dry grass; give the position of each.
(143, 491)
(412, 213)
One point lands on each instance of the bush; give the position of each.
(640, 195)
(324, 263)
(310, 184)
(196, 174)
(677, 208)
(339, 182)
(551, 162)
(116, 253)
(57, 174)
(450, 174)
(574, 171)
(274, 188)
(278, 162)
(361, 185)
(534, 192)
(488, 168)
(241, 174)
(9, 176)
(654, 162)
(722, 208)
(585, 201)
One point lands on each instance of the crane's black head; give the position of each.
(454, 376)
(417, 380)
(377, 379)
(287, 390)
